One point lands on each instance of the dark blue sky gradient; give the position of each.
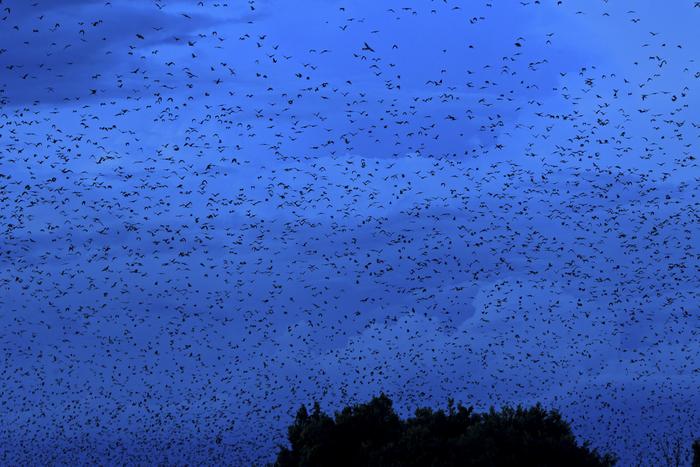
(213, 212)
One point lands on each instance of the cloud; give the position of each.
(63, 51)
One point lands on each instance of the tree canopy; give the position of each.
(372, 434)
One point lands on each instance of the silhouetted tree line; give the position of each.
(372, 434)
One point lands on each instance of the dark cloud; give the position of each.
(62, 52)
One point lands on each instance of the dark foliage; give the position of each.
(372, 434)
(696, 453)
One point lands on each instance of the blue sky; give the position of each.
(211, 213)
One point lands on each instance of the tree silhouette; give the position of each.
(372, 434)
(696, 453)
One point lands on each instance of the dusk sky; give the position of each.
(212, 212)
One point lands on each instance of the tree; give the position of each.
(696, 453)
(372, 434)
